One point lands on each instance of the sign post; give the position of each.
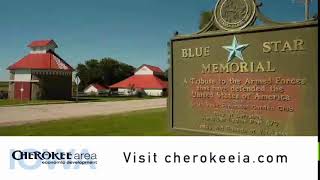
(21, 93)
(77, 81)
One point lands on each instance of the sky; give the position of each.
(135, 32)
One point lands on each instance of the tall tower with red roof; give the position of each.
(42, 74)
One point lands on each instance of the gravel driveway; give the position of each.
(36, 113)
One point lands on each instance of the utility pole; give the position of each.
(306, 8)
(21, 92)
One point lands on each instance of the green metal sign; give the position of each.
(260, 81)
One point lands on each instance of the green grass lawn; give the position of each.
(6, 102)
(139, 123)
(3, 86)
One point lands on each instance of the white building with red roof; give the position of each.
(95, 89)
(42, 74)
(146, 78)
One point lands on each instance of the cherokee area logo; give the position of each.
(31, 159)
(234, 14)
(235, 50)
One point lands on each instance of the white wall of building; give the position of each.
(22, 75)
(153, 92)
(126, 92)
(149, 92)
(91, 90)
(38, 50)
(41, 50)
(144, 71)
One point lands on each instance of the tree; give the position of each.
(82, 72)
(315, 16)
(94, 71)
(107, 71)
(166, 75)
(205, 18)
(115, 71)
(131, 89)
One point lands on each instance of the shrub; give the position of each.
(141, 93)
(3, 95)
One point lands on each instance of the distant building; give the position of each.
(147, 79)
(95, 89)
(42, 74)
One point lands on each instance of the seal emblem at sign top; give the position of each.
(233, 15)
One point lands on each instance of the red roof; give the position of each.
(152, 68)
(44, 61)
(142, 82)
(41, 43)
(99, 87)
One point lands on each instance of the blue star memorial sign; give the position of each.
(235, 50)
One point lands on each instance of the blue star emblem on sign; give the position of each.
(235, 50)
